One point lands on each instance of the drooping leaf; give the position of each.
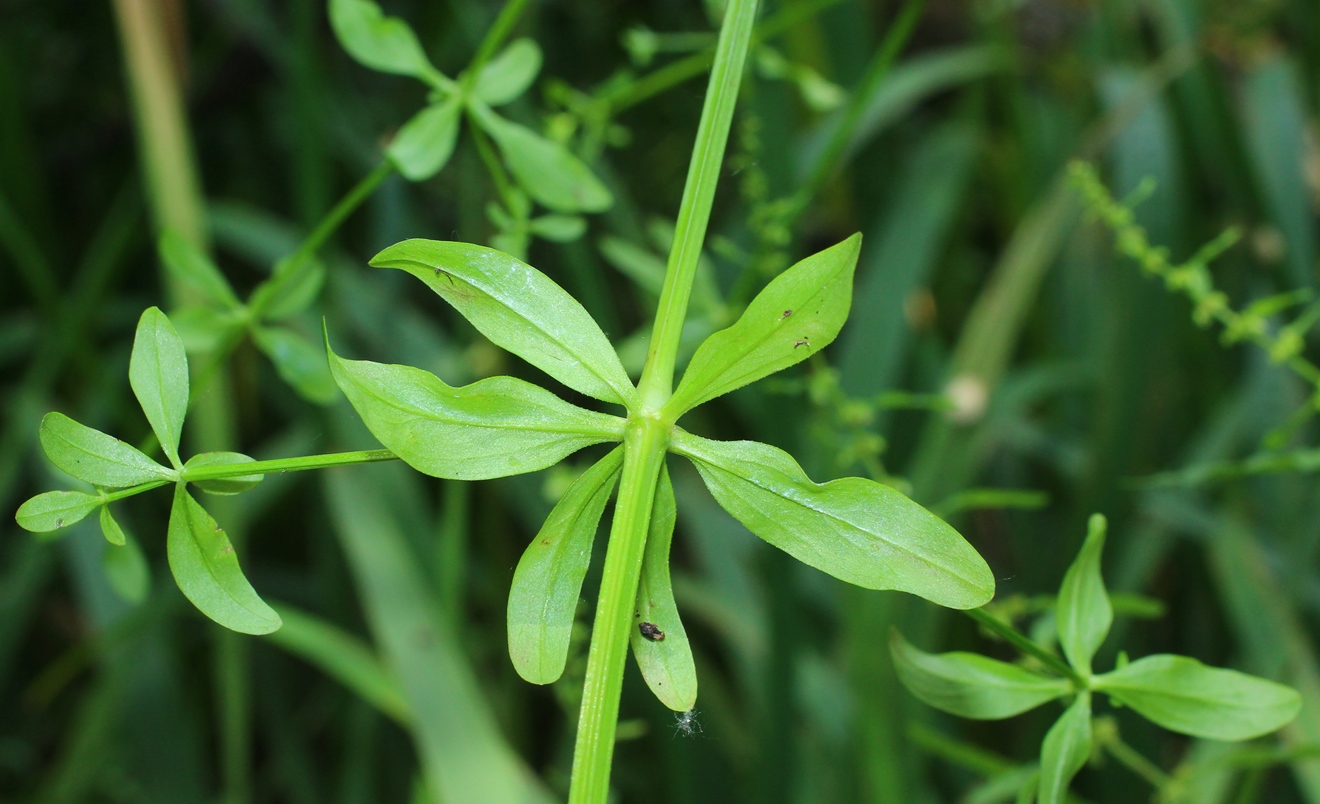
(796, 315)
(665, 660)
(222, 485)
(195, 271)
(509, 74)
(292, 287)
(520, 309)
(1183, 695)
(299, 362)
(206, 569)
(548, 580)
(548, 171)
(343, 657)
(94, 456)
(376, 41)
(126, 569)
(425, 143)
(558, 228)
(53, 510)
(1083, 611)
(970, 685)
(492, 428)
(158, 373)
(1064, 752)
(110, 528)
(854, 529)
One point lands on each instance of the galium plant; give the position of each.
(858, 530)
(1175, 692)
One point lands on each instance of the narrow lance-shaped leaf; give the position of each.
(492, 428)
(425, 143)
(1065, 750)
(195, 270)
(1183, 695)
(548, 581)
(126, 568)
(207, 572)
(221, 485)
(292, 287)
(158, 373)
(795, 316)
(1083, 611)
(95, 457)
(854, 529)
(53, 510)
(970, 685)
(298, 361)
(662, 649)
(509, 74)
(520, 309)
(382, 43)
(548, 171)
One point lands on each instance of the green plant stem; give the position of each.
(1135, 762)
(644, 452)
(288, 464)
(1026, 645)
(495, 36)
(698, 196)
(350, 202)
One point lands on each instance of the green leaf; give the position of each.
(126, 567)
(343, 657)
(96, 457)
(382, 43)
(666, 663)
(970, 685)
(53, 510)
(558, 228)
(796, 315)
(204, 329)
(548, 171)
(298, 361)
(854, 529)
(1083, 611)
(425, 143)
(520, 309)
(509, 74)
(110, 528)
(492, 428)
(158, 373)
(195, 271)
(207, 572)
(291, 288)
(548, 580)
(1183, 695)
(223, 485)
(1065, 750)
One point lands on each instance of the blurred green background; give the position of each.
(995, 343)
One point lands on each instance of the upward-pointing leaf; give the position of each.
(158, 373)
(548, 580)
(382, 43)
(665, 660)
(94, 456)
(796, 315)
(194, 270)
(521, 309)
(854, 529)
(206, 568)
(492, 428)
(1083, 611)
(548, 171)
(509, 74)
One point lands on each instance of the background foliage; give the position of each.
(995, 342)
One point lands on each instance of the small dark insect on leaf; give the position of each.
(786, 314)
(651, 632)
(803, 342)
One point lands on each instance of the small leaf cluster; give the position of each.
(855, 529)
(217, 318)
(545, 171)
(1175, 692)
(201, 556)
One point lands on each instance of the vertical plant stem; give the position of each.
(648, 433)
